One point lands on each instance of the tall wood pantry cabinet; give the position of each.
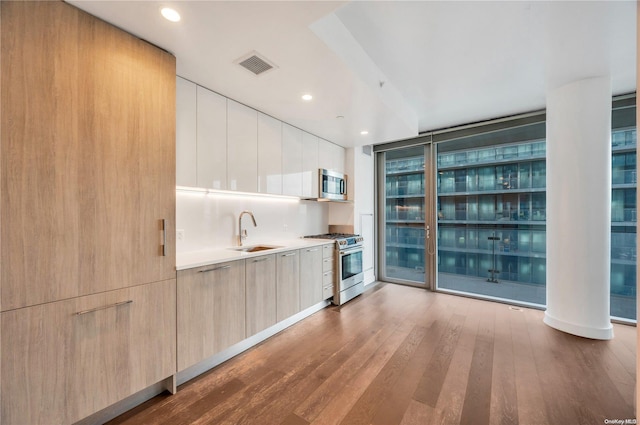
(87, 214)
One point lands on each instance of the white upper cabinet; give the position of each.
(242, 147)
(269, 155)
(339, 154)
(291, 160)
(211, 164)
(309, 165)
(330, 156)
(224, 145)
(185, 133)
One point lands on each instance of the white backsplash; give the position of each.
(210, 220)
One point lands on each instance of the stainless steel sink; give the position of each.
(255, 248)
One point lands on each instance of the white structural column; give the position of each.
(579, 208)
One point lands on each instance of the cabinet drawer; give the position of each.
(327, 292)
(327, 278)
(63, 361)
(327, 264)
(327, 251)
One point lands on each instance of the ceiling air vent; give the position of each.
(255, 63)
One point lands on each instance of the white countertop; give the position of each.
(191, 259)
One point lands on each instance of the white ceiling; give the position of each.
(394, 68)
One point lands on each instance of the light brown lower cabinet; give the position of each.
(310, 276)
(211, 310)
(288, 284)
(261, 293)
(65, 360)
(328, 267)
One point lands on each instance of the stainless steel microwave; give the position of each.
(333, 185)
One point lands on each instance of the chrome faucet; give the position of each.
(242, 233)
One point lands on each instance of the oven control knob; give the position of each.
(342, 242)
(360, 239)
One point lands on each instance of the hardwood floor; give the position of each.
(402, 355)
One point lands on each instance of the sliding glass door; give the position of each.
(405, 206)
(464, 211)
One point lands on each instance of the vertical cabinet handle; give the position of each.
(164, 237)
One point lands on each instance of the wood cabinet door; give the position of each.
(87, 156)
(310, 276)
(260, 293)
(288, 284)
(65, 360)
(211, 310)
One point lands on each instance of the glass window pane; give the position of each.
(499, 236)
(446, 182)
(486, 178)
(524, 175)
(623, 221)
(539, 174)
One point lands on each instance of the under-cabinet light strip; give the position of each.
(231, 193)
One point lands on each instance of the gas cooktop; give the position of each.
(342, 239)
(333, 236)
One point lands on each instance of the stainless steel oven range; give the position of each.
(349, 281)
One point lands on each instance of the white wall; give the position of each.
(364, 208)
(360, 214)
(210, 220)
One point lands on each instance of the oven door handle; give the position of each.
(350, 251)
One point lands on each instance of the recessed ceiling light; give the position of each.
(340, 117)
(364, 132)
(307, 97)
(170, 14)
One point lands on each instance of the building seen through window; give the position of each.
(491, 207)
(405, 214)
(489, 210)
(623, 222)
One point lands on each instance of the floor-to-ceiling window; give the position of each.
(489, 210)
(491, 220)
(623, 209)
